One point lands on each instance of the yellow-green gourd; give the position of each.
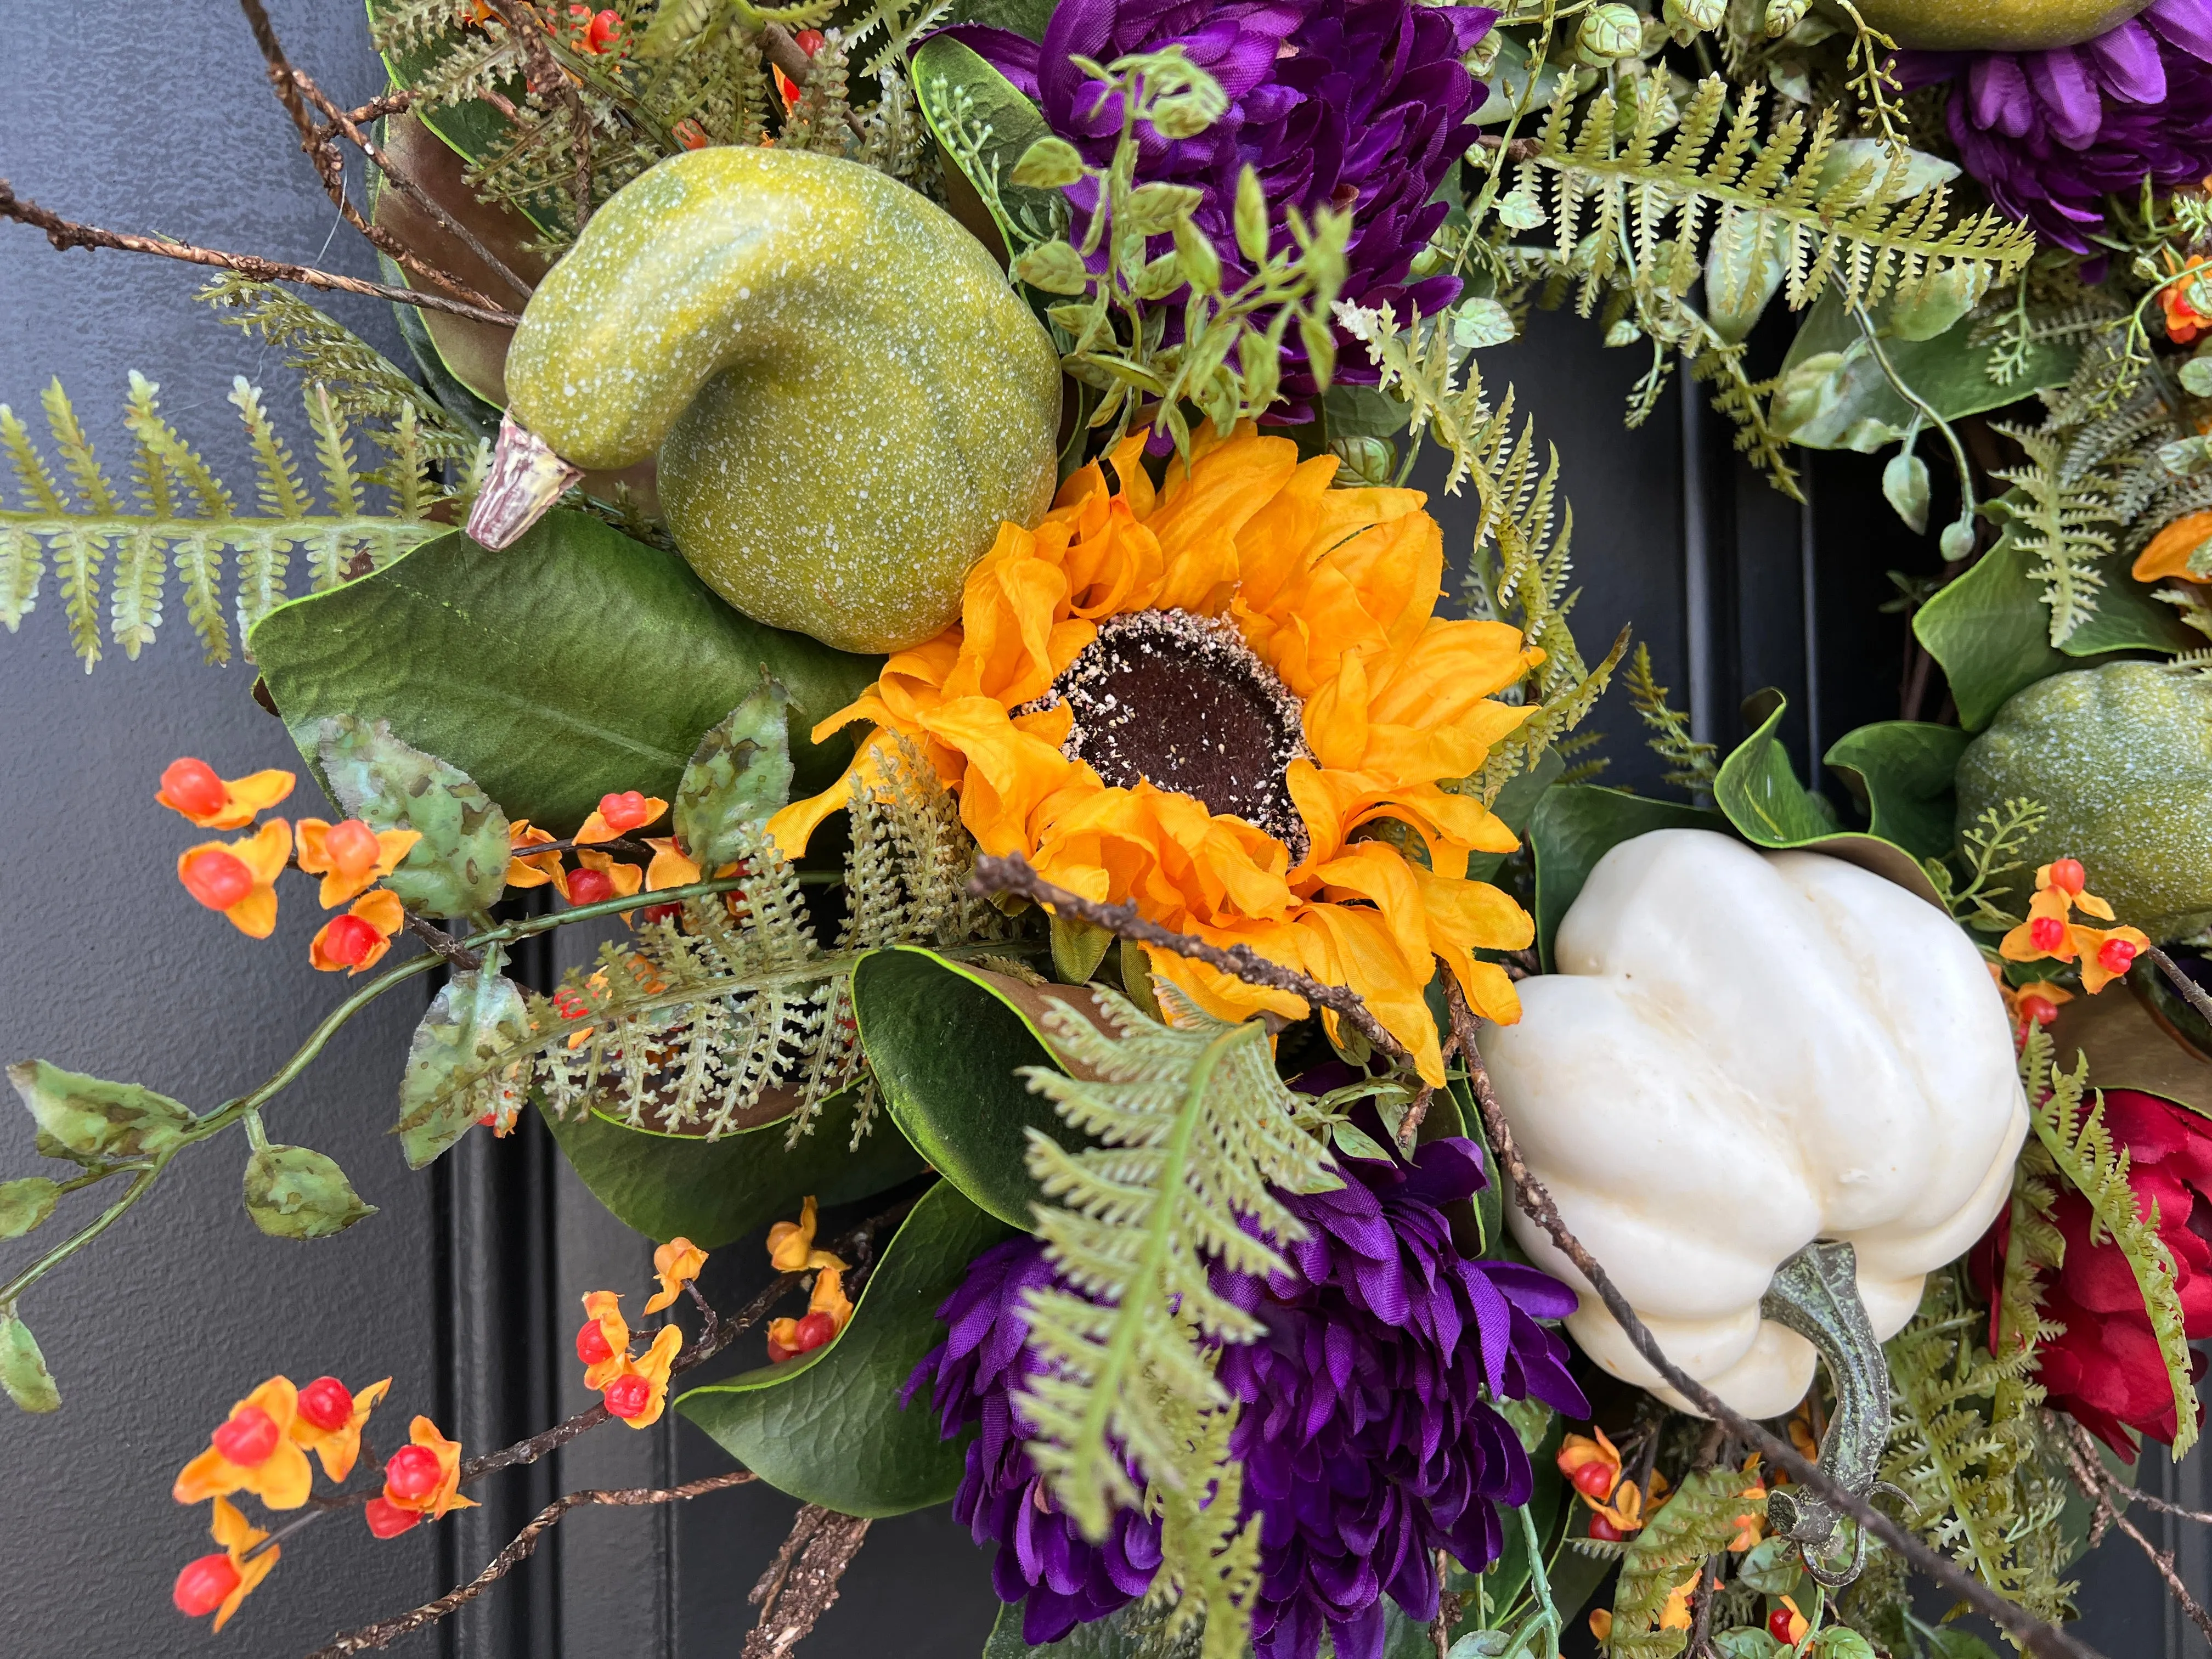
(847, 398)
(1996, 24)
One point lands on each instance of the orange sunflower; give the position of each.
(1193, 697)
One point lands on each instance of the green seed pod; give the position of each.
(1609, 32)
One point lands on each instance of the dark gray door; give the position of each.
(155, 115)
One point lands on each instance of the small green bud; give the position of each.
(1251, 217)
(1608, 33)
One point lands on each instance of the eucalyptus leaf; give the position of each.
(714, 1192)
(2196, 377)
(23, 1370)
(1901, 773)
(459, 1066)
(1481, 322)
(1361, 412)
(92, 1119)
(459, 867)
(946, 1039)
(1574, 825)
(828, 1427)
(295, 1192)
(26, 1204)
(737, 777)
(576, 664)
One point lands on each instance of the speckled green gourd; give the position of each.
(2121, 756)
(1996, 24)
(846, 396)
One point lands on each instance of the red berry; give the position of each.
(2067, 876)
(629, 1395)
(813, 1330)
(2046, 933)
(605, 28)
(690, 134)
(623, 812)
(203, 1585)
(192, 786)
(2041, 1010)
(2116, 956)
(349, 940)
(1778, 1626)
(217, 878)
(388, 1520)
(327, 1403)
(412, 1473)
(353, 848)
(1595, 1479)
(662, 912)
(248, 1436)
(590, 886)
(1601, 1528)
(591, 1344)
(808, 41)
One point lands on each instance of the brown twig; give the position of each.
(1014, 874)
(1701, 1610)
(458, 956)
(370, 1637)
(66, 233)
(2089, 1474)
(801, 1584)
(1449, 1606)
(1536, 1202)
(292, 88)
(2191, 992)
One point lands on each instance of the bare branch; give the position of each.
(370, 1637)
(2032, 1633)
(66, 233)
(1014, 874)
(801, 1583)
(2192, 992)
(2090, 1474)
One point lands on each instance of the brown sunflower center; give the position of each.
(1180, 701)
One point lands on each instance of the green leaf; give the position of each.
(295, 1192)
(985, 128)
(2128, 618)
(26, 1204)
(474, 128)
(1050, 163)
(1513, 807)
(1990, 631)
(946, 1040)
(1842, 1642)
(1759, 791)
(1745, 1643)
(464, 1060)
(459, 867)
(1574, 825)
(1053, 266)
(90, 1119)
(1361, 412)
(1251, 217)
(23, 1370)
(1135, 1631)
(1948, 1642)
(1771, 1567)
(1078, 948)
(1026, 17)
(576, 664)
(827, 1427)
(737, 777)
(714, 1192)
(1901, 773)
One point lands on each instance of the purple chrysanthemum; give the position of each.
(2051, 134)
(1366, 1443)
(1358, 104)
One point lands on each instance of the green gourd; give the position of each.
(1996, 24)
(2122, 757)
(846, 396)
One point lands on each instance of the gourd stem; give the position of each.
(527, 477)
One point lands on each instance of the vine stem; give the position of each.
(2192, 992)
(1535, 1200)
(1925, 409)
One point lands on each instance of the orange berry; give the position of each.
(193, 789)
(353, 848)
(203, 1585)
(2117, 956)
(591, 1344)
(412, 1473)
(623, 812)
(217, 878)
(387, 1519)
(2046, 933)
(349, 940)
(2067, 876)
(628, 1396)
(247, 1437)
(590, 887)
(327, 1403)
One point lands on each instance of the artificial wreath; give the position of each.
(900, 512)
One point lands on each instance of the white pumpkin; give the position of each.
(1742, 1052)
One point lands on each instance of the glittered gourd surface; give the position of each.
(1996, 24)
(846, 396)
(2121, 756)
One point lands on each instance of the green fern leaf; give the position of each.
(1696, 1522)
(1694, 764)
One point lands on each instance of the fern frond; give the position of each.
(1695, 1523)
(1195, 1134)
(1695, 764)
(2080, 1149)
(2062, 515)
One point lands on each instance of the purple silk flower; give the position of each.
(1366, 1440)
(1351, 103)
(2051, 133)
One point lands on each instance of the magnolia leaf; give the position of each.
(738, 776)
(828, 1427)
(463, 1062)
(459, 867)
(295, 1192)
(1901, 773)
(86, 1118)
(26, 1204)
(714, 1192)
(23, 1370)
(1905, 486)
(1574, 825)
(984, 129)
